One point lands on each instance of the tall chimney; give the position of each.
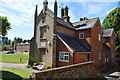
(66, 11)
(62, 12)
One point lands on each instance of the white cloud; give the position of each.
(19, 12)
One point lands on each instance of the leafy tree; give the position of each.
(24, 41)
(17, 40)
(28, 41)
(4, 25)
(9, 42)
(113, 21)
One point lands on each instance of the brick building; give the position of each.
(22, 47)
(59, 42)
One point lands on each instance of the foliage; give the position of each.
(14, 58)
(5, 25)
(48, 67)
(113, 21)
(29, 66)
(8, 47)
(35, 64)
(18, 74)
(6, 41)
(18, 40)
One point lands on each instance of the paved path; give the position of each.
(15, 65)
(113, 74)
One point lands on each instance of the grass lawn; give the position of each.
(17, 74)
(14, 58)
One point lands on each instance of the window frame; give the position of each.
(45, 44)
(99, 55)
(80, 36)
(63, 56)
(99, 37)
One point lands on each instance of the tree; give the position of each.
(5, 25)
(24, 41)
(113, 21)
(17, 40)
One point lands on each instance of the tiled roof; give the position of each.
(107, 32)
(85, 24)
(73, 43)
(65, 24)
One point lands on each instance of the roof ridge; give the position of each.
(86, 20)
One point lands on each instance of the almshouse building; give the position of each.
(59, 42)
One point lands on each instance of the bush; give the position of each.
(35, 64)
(29, 66)
(48, 67)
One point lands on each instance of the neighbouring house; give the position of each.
(59, 42)
(24, 47)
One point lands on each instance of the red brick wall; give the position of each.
(22, 47)
(112, 47)
(110, 42)
(74, 58)
(87, 36)
(80, 57)
(62, 47)
(96, 45)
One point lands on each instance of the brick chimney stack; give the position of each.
(64, 14)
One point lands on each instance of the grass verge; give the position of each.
(14, 58)
(17, 74)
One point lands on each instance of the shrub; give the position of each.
(29, 66)
(35, 64)
(48, 67)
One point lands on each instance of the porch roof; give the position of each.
(74, 44)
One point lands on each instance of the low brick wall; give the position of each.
(82, 70)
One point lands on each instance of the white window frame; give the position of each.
(99, 37)
(63, 56)
(105, 59)
(99, 56)
(45, 43)
(80, 36)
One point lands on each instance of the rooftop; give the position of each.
(73, 43)
(107, 32)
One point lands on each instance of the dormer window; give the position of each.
(81, 35)
(43, 43)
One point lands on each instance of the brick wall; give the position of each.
(112, 47)
(22, 47)
(63, 48)
(65, 30)
(87, 36)
(80, 57)
(82, 70)
(96, 45)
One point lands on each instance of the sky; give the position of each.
(20, 13)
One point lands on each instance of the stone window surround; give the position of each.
(63, 56)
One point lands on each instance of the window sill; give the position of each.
(63, 60)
